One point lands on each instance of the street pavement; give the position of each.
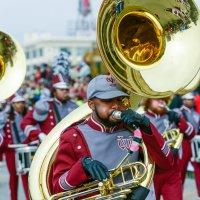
(189, 191)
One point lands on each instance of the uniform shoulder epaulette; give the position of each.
(82, 121)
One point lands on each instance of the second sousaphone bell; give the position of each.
(12, 66)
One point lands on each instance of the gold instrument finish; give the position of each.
(141, 172)
(146, 44)
(137, 172)
(7, 51)
(93, 59)
(12, 66)
(173, 137)
(139, 38)
(152, 48)
(2, 67)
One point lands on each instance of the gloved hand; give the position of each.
(42, 136)
(173, 117)
(175, 151)
(139, 193)
(131, 118)
(95, 168)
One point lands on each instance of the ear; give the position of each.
(91, 104)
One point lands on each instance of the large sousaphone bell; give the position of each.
(151, 48)
(12, 66)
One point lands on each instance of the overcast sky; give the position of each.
(21, 16)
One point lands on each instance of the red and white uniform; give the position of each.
(1, 157)
(32, 127)
(168, 182)
(76, 142)
(12, 134)
(194, 118)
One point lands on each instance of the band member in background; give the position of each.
(47, 113)
(188, 112)
(2, 107)
(167, 183)
(89, 149)
(12, 134)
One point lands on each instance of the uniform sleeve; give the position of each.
(30, 127)
(186, 128)
(158, 148)
(1, 140)
(68, 171)
(74, 106)
(3, 119)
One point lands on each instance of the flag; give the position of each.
(84, 7)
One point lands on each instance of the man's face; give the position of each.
(103, 109)
(157, 106)
(19, 107)
(61, 94)
(189, 103)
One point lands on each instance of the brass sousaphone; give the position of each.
(12, 66)
(151, 48)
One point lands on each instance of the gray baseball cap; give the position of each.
(104, 87)
(41, 111)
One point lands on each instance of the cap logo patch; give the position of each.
(111, 80)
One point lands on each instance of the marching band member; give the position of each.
(2, 107)
(12, 134)
(48, 112)
(188, 112)
(167, 183)
(89, 149)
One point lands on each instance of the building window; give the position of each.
(40, 52)
(27, 55)
(34, 54)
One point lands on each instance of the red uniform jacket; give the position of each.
(167, 182)
(185, 128)
(68, 169)
(10, 132)
(7, 137)
(31, 128)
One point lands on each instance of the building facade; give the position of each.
(43, 50)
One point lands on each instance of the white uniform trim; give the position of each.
(189, 129)
(63, 182)
(28, 129)
(1, 139)
(100, 125)
(165, 149)
(163, 146)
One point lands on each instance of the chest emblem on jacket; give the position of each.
(124, 143)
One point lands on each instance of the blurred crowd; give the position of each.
(177, 101)
(38, 86)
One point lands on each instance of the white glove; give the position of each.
(42, 136)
